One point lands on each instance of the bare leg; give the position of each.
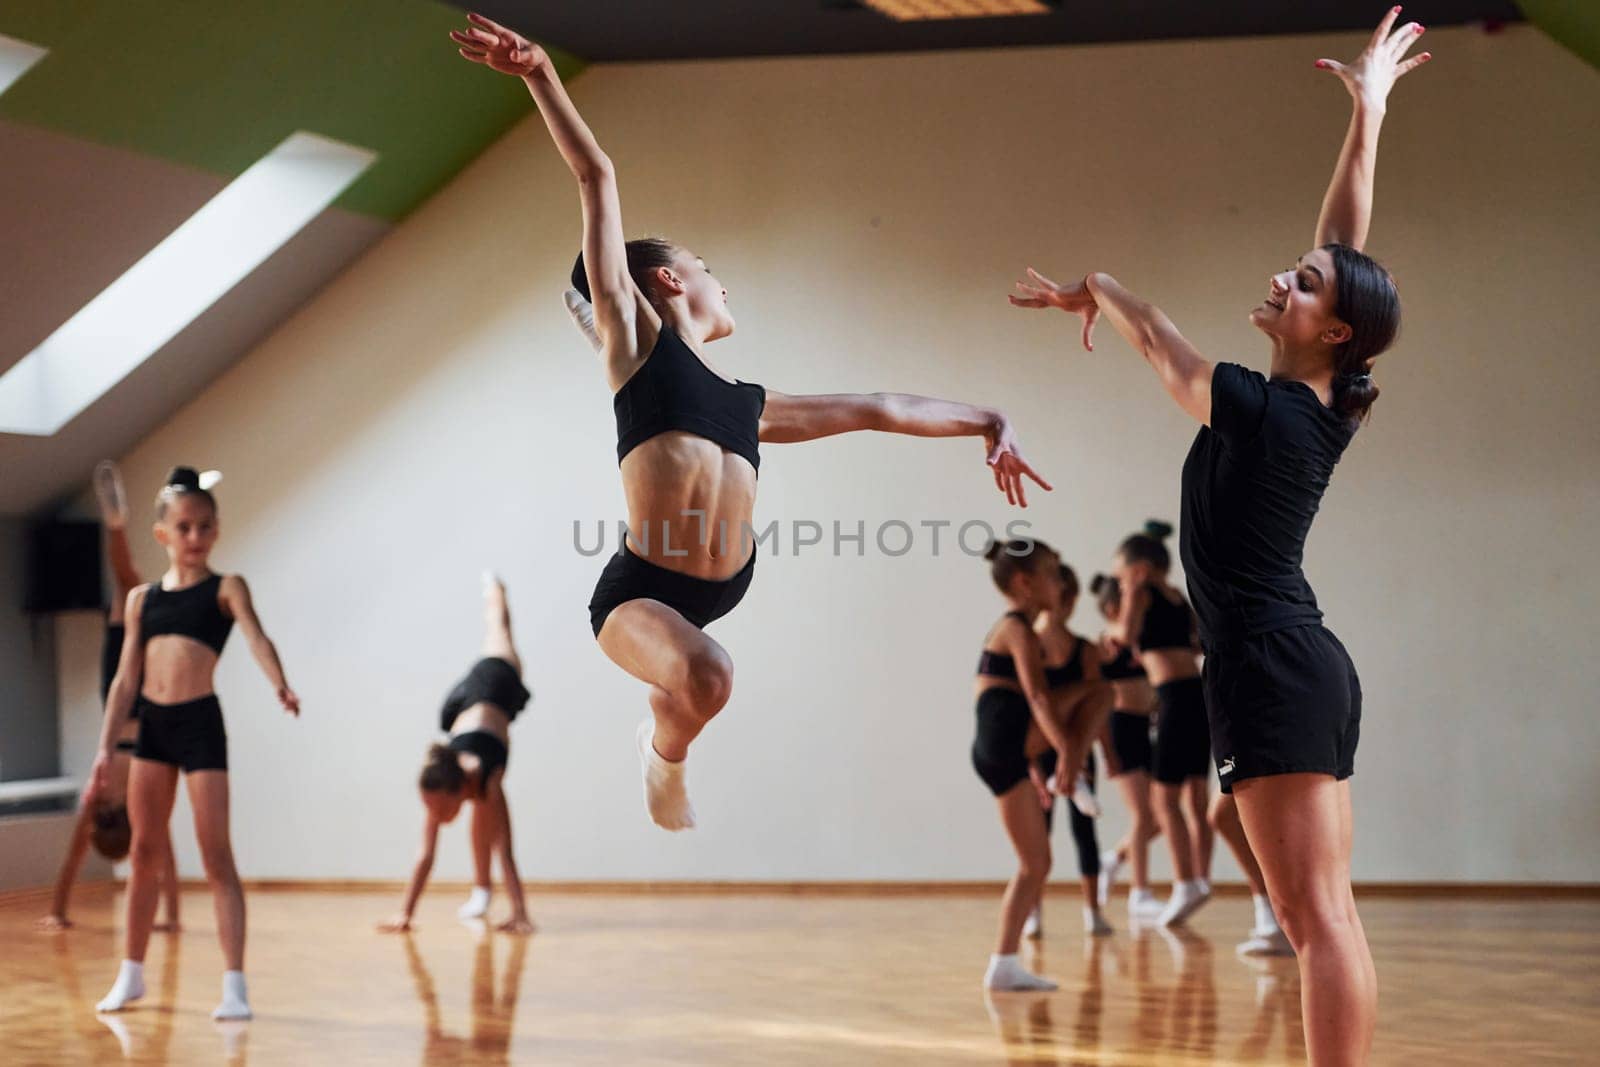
(1135, 786)
(170, 889)
(1024, 824)
(497, 622)
(690, 675)
(485, 832)
(208, 795)
(1196, 793)
(152, 788)
(1224, 819)
(1300, 828)
(1167, 802)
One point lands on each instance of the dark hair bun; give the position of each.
(992, 553)
(1353, 394)
(1099, 584)
(1158, 529)
(580, 279)
(184, 477)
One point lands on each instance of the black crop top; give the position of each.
(998, 664)
(189, 612)
(1123, 667)
(491, 752)
(1166, 625)
(1069, 672)
(674, 390)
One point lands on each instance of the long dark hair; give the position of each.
(1365, 299)
(645, 254)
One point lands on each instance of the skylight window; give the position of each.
(923, 10)
(210, 253)
(15, 59)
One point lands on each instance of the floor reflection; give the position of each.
(492, 1012)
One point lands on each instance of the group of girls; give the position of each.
(1044, 694)
(1278, 693)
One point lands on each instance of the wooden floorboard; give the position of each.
(777, 979)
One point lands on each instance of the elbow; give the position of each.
(595, 170)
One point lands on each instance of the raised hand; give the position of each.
(498, 48)
(1371, 75)
(1005, 459)
(1040, 292)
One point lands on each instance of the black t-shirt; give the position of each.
(1251, 487)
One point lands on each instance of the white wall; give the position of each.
(433, 412)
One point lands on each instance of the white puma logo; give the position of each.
(1226, 766)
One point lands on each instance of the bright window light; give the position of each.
(922, 10)
(176, 281)
(15, 59)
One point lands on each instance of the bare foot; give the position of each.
(400, 924)
(517, 924)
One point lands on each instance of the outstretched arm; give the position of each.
(120, 698)
(419, 878)
(70, 864)
(235, 596)
(1347, 206)
(618, 304)
(790, 419)
(1181, 368)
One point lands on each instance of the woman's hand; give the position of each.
(498, 48)
(398, 924)
(53, 922)
(1074, 298)
(290, 702)
(99, 778)
(1371, 75)
(1005, 459)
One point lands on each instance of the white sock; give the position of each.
(1266, 921)
(1142, 903)
(1205, 885)
(235, 1004)
(1083, 798)
(1008, 973)
(1095, 923)
(477, 904)
(1109, 866)
(1186, 898)
(128, 987)
(665, 794)
(1264, 943)
(1033, 926)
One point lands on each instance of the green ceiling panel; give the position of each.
(1573, 23)
(216, 85)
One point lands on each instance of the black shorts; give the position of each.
(1182, 748)
(1000, 749)
(1285, 702)
(1130, 740)
(110, 656)
(188, 735)
(491, 680)
(629, 577)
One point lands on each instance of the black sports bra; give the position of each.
(674, 390)
(189, 612)
(1123, 667)
(1166, 625)
(998, 664)
(1069, 672)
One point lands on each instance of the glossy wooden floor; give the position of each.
(782, 979)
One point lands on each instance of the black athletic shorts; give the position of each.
(491, 680)
(188, 735)
(630, 577)
(1130, 740)
(1284, 702)
(999, 749)
(1182, 746)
